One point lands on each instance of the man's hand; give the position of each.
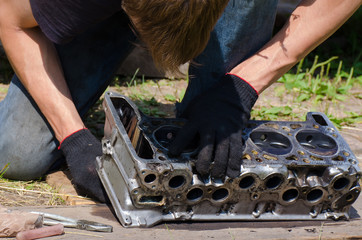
(218, 116)
(80, 150)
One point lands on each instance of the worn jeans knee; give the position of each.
(27, 143)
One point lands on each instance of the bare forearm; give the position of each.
(309, 25)
(35, 61)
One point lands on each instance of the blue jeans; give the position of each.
(27, 142)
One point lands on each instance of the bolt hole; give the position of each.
(195, 194)
(220, 194)
(246, 182)
(295, 126)
(349, 198)
(263, 137)
(340, 183)
(150, 178)
(352, 161)
(273, 182)
(290, 195)
(306, 160)
(176, 181)
(255, 196)
(162, 158)
(338, 158)
(291, 158)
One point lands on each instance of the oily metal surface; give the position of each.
(290, 171)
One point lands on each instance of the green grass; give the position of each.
(318, 83)
(318, 88)
(274, 113)
(352, 119)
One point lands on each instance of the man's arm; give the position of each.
(310, 24)
(35, 61)
(220, 114)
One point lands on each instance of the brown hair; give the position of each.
(175, 31)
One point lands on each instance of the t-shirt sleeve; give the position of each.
(61, 20)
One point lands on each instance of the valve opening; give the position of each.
(177, 181)
(314, 195)
(150, 178)
(246, 182)
(340, 183)
(273, 182)
(220, 194)
(290, 195)
(195, 194)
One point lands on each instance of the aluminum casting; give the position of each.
(290, 171)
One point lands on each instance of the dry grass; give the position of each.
(28, 193)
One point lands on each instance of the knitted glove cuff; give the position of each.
(248, 95)
(77, 140)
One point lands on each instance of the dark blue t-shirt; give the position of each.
(61, 20)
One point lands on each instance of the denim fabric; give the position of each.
(27, 142)
(244, 27)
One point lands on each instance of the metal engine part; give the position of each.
(290, 171)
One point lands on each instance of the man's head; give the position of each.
(175, 31)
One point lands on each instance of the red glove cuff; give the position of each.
(244, 81)
(60, 144)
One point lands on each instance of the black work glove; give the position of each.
(80, 150)
(218, 116)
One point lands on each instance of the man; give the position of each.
(59, 83)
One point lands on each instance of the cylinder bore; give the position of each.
(149, 178)
(314, 195)
(290, 195)
(220, 194)
(340, 183)
(165, 135)
(195, 194)
(271, 142)
(317, 142)
(177, 181)
(273, 182)
(246, 182)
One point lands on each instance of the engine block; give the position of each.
(290, 171)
